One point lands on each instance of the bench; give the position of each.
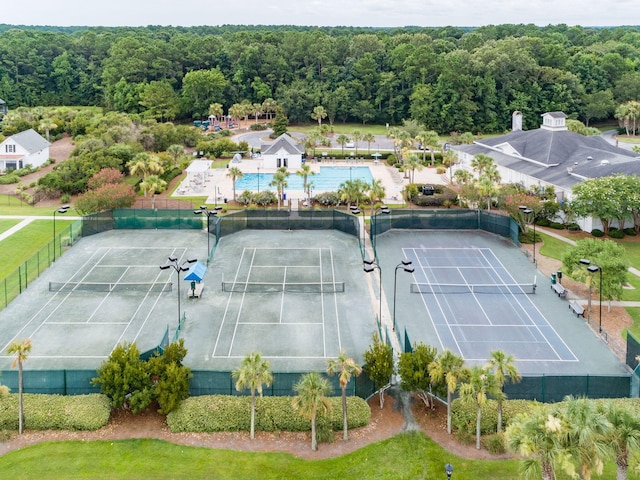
(197, 292)
(577, 308)
(559, 289)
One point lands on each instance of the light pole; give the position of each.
(62, 209)
(370, 266)
(449, 469)
(529, 211)
(172, 262)
(204, 210)
(406, 266)
(356, 211)
(593, 269)
(374, 224)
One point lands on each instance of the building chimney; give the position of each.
(516, 121)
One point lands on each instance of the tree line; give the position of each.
(447, 79)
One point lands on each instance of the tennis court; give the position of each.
(298, 297)
(472, 292)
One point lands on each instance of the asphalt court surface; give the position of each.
(473, 324)
(539, 329)
(297, 332)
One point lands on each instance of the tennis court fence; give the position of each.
(276, 287)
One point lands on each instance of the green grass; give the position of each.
(404, 456)
(7, 224)
(11, 206)
(17, 248)
(633, 140)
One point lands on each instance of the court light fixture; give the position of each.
(62, 209)
(530, 212)
(203, 210)
(172, 262)
(448, 468)
(405, 265)
(593, 269)
(370, 266)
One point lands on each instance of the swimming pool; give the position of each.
(329, 179)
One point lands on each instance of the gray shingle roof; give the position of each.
(561, 158)
(30, 140)
(285, 142)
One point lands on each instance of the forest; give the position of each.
(447, 79)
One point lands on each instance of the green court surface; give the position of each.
(312, 300)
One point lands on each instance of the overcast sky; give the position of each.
(374, 13)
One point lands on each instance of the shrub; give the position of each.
(556, 226)
(258, 127)
(265, 198)
(543, 222)
(230, 413)
(573, 227)
(328, 198)
(56, 412)
(616, 233)
(494, 443)
(463, 417)
(597, 232)
(9, 179)
(245, 198)
(630, 232)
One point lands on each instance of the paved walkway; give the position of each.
(632, 270)
(26, 220)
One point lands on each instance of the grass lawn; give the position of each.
(11, 206)
(7, 224)
(405, 456)
(23, 244)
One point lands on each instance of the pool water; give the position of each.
(329, 179)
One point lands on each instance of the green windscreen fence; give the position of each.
(52, 382)
(441, 219)
(156, 219)
(286, 220)
(633, 351)
(550, 388)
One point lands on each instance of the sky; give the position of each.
(363, 13)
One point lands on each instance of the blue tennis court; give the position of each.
(476, 306)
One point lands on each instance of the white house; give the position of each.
(551, 155)
(22, 149)
(283, 152)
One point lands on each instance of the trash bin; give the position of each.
(284, 195)
(553, 279)
(225, 199)
(559, 275)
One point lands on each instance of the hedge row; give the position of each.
(56, 412)
(227, 413)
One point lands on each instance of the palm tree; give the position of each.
(356, 135)
(234, 173)
(462, 177)
(536, 435)
(450, 368)
(176, 151)
(346, 367)
(46, 125)
(501, 365)
(21, 352)
(341, 140)
(352, 191)
(624, 436)
(319, 113)
(215, 109)
(153, 184)
(145, 165)
(412, 164)
(305, 172)
(269, 106)
(474, 392)
(375, 192)
(585, 435)
(312, 390)
(279, 181)
(480, 163)
(252, 374)
(369, 137)
(486, 189)
(449, 159)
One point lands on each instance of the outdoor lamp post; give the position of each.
(62, 209)
(370, 266)
(406, 266)
(172, 262)
(529, 211)
(449, 469)
(356, 211)
(593, 269)
(204, 210)
(374, 221)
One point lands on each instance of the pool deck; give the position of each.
(218, 181)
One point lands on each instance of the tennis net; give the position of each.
(119, 287)
(446, 288)
(276, 287)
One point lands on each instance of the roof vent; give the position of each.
(589, 158)
(569, 170)
(604, 162)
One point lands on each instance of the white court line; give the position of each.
(235, 327)
(42, 308)
(475, 297)
(284, 281)
(226, 308)
(335, 301)
(537, 310)
(284, 324)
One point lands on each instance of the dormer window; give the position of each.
(554, 121)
